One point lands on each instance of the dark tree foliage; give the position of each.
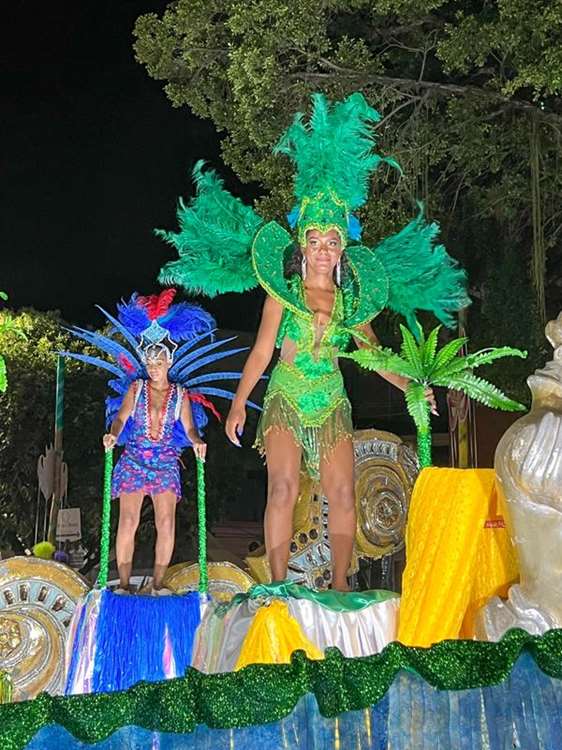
(469, 97)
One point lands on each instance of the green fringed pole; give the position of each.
(105, 520)
(424, 448)
(59, 431)
(202, 527)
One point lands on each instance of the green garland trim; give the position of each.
(263, 693)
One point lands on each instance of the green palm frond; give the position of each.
(448, 353)
(466, 364)
(417, 405)
(377, 358)
(411, 351)
(480, 390)
(485, 356)
(429, 349)
(423, 365)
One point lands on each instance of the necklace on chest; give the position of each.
(150, 433)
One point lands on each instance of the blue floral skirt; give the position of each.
(150, 468)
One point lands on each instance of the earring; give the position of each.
(303, 268)
(338, 273)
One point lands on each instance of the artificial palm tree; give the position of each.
(425, 366)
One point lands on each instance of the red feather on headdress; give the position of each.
(127, 364)
(199, 398)
(157, 305)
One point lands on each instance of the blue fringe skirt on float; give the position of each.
(117, 640)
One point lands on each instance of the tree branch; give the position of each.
(405, 85)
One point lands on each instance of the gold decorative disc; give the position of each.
(37, 599)
(225, 579)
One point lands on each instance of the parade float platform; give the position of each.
(283, 666)
(456, 694)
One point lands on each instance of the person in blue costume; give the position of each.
(158, 411)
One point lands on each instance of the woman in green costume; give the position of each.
(307, 415)
(335, 289)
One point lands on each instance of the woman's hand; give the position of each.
(428, 393)
(199, 446)
(109, 441)
(430, 398)
(235, 423)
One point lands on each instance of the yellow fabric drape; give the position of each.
(455, 561)
(273, 636)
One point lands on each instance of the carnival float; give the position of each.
(468, 654)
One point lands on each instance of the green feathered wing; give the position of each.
(421, 274)
(214, 242)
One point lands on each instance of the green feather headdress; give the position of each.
(334, 159)
(224, 246)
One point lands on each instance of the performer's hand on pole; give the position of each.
(235, 424)
(198, 445)
(109, 441)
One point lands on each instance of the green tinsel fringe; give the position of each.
(263, 693)
(105, 520)
(202, 527)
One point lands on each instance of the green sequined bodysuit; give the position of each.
(306, 394)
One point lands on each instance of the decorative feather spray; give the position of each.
(214, 241)
(421, 274)
(334, 155)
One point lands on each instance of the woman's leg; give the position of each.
(283, 457)
(165, 522)
(130, 505)
(336, 478)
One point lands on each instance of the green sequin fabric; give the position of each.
(262, 693)
(316, 441)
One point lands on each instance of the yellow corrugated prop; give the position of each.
(458, 554)
(273, 636)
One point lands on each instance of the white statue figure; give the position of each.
(528, 466)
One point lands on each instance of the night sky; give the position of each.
(94, 157)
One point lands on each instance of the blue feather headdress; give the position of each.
(147, 327)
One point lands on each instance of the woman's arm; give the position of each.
(398, 380)
(186, 418)
(127, 406)
(256, 364)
